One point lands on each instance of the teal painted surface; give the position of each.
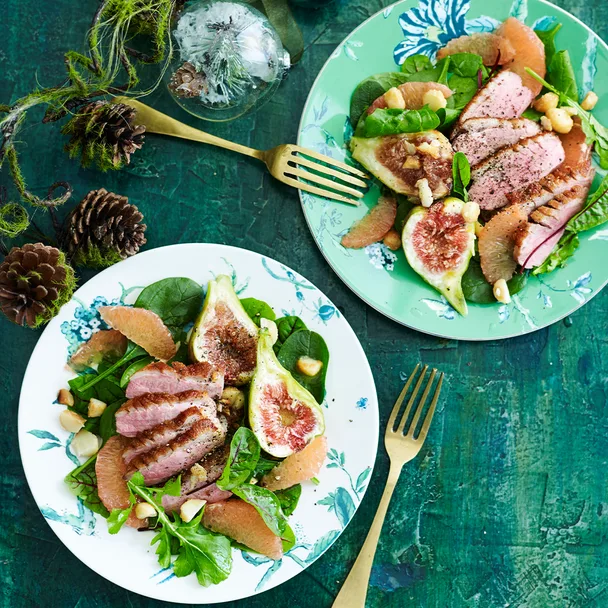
(507, 505)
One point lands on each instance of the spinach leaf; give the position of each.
(257, 309)
(404, 206)
(466, 65)
(134, 367)
(289, 498)
(305, 343)
(463, 89)
(82, 482)
(548, 39)
(461, 176)
(370, 89)
(438, 73)
(532, 114)
(107, 421)
(477, 289)
(263, 466)
(448, 116)
(266, 504)
(176, 300)
(416, 63)
(244, 456)
(558, 258)
(285, 327)
(595, 211)
(106, 390)
(394, 121)
(561, 74)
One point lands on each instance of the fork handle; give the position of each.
(354, 590)
(157, 122)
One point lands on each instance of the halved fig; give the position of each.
(497, 242)
(438, 243)
(400, 161)
(284, 416)
(373, 226)
(224, 335)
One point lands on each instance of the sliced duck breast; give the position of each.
(557, 182)
(503, 96)
(176, 378)
(513, 168)
(210, 494)
(535, 240)
(147, 411)
(206, 471)
(161, 463)
(161, 434)
(479, 138)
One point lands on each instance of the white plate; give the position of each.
(351, 412)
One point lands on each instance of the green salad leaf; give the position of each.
(463, 90)
(263, 466)
(176, 300)
(432, 73)
(532, 114)
(305, 343)
(243, 459)
(559, 257)
(392, 121)
(370, 89)
(547, 37)
(107, 420)
(285, 327)
(258, 309)
(82, 482)
(461, 176)
(415, 64)
(560, 74)
(466, 65)
(134, 367)
(289, 498)
(476, 288)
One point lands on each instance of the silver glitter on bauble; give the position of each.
(228, 59)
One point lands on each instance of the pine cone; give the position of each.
(104, 132)
(103, 229)
(35, 282)
(187, 82)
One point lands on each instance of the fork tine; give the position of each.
(397, 406)
(290, 181)
(301, 160)
(429, 415)
(420, 407)
(323, 181)
(410, 403)
(330, 161)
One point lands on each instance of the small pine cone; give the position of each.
(104, 132)
(103, 229)
(187, 82)
(35, 282)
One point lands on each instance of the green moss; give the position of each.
(65, 293)
(96, 257)
(14, 219)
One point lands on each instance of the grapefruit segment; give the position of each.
(111, 485)
(494, 49)
(529, 52)
(298, 467)
(413, 95)
(102, 343)
(497, 242)
(143, 327)
(240, 520)
(374, 226)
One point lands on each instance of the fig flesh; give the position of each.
(224, 335)
(400, 161)
(438, 243)
(284, 416)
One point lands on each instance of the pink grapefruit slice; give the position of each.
(143, 327)
(529, 52)
(413, 95)
(240, 521)
(298, 467)
(100, 344)
(374, 226)
(494, 49)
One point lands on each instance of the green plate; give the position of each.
(383, 278)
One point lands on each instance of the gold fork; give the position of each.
(284, 162)
(402, 446)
